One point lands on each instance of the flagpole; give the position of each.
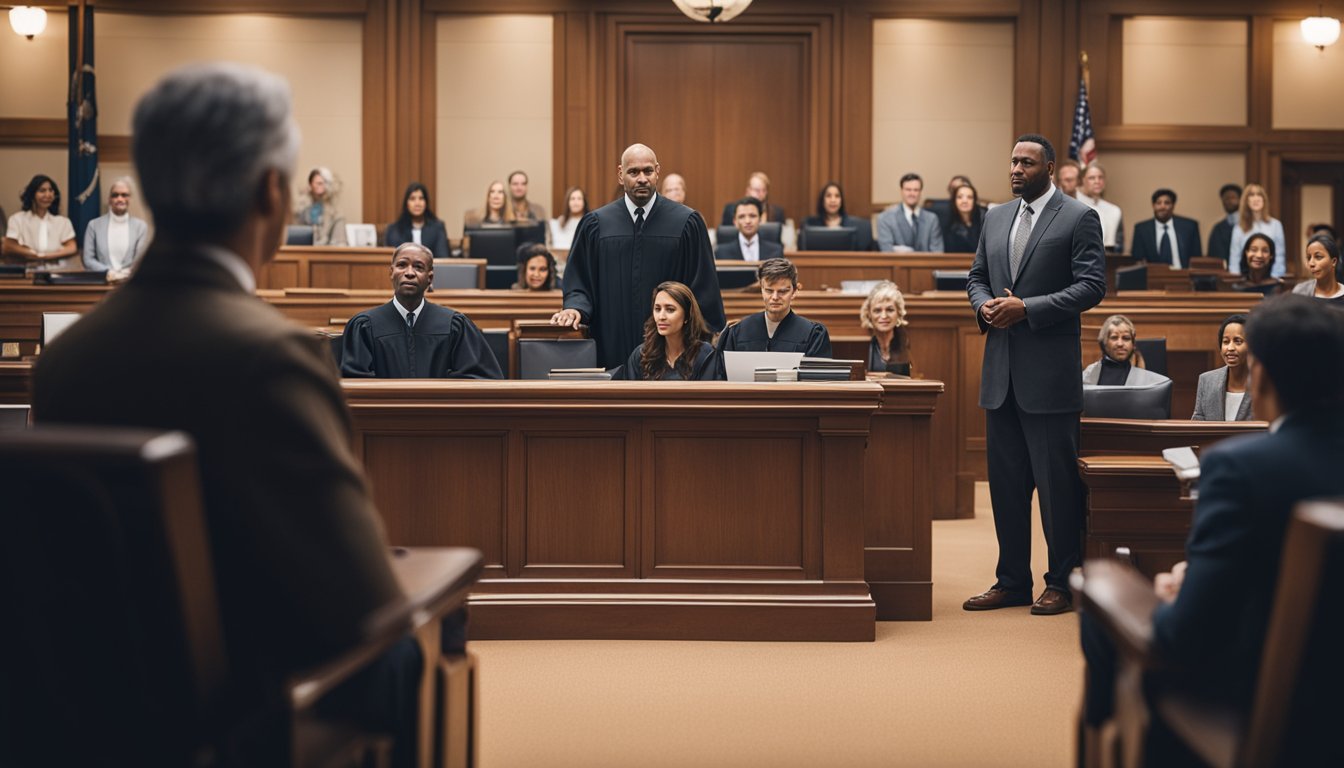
(1087, 75)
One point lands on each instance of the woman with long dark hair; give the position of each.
(39, 235)
(965, 219)
(676, 341)
(417, 223)
(536, 268)
(831, 213)
(1258, 258)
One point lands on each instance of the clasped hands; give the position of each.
(1004, 311)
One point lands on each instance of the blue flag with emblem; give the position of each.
(82, 111)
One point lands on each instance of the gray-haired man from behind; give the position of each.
(300, 562)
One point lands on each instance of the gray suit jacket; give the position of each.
(96, 256)
(1209, 403)
(894, 229)
(1062, 275)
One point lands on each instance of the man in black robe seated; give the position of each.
(777, 329)
(410, 338)
(625, 249)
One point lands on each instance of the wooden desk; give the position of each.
(1120, 437)
(16, 382)
(1135, 502)
(636, 509)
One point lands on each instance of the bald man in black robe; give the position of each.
(623, 250)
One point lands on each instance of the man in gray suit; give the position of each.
(1039, 266)
(907, 226)
(114, 241)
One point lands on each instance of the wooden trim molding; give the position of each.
(33, 132)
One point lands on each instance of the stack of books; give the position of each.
(579, 374)
(776, 374)
(825, 369)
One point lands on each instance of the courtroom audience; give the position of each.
(524, 210)
(561, 229)
(316, 208)
(411, 338)
(674, 188)
(536, 268)
(1121, 363)
(495, 213)
(883, 314)
(1220, 236)
(1166, 238)
(748, 245)
(964, 222)
(1067, 175)
(758, 186)
(1254, 218)
(38, 235)
(778, 328)
(1092, 192)
(417, 223)
(115, 241)
(676, 341)
(908, 226)
(831, 213)
(1323, 266)
(941, 208)
(1224, 394)
(1257, 253)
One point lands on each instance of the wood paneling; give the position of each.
(570, 523)
(1135, 502)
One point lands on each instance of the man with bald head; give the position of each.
(624, 249)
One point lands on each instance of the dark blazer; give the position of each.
(863, 230)
(433, 236)
(299, 556)
(1248, 485)
(730, 209)
(1209, 398)
(1062, 275)
(959, 238)
(1144, 244)
(733, 249)
(1220, 239)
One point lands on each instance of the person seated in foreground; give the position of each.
(676, 341)
(315, 208)
(298, 553)
(1121, 363)
(883, 313)
(410, 338)
(1257, 254)
(748, 245)
(1323, 265)
(778, 328)
(831, 213)
(1210, 625)
(536, 268)
(39, 235)
(1224, 393)
(417, 223)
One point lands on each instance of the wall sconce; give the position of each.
(712, 11)
(1321, 30)
(29, 21)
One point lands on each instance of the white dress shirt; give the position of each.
(1037, 206)
(404, 311)
(1110, 218)
(751, 249)
(630, 206)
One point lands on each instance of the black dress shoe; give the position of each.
(1051, 602)
(996, 598)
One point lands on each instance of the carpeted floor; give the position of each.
(968, 689)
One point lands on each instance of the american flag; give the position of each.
(1082, 142)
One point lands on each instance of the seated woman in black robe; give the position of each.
(410, 338)
(417, 223)
(536, 268)
(883, 313)
(778, 328)
(676, 341)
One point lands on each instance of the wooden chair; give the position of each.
(113, 652)
(1297, 701)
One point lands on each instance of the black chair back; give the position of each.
(1154, 353)
(735, 278)
(298, 234)
(448, 275)
(529, 233)
(495, 245)
(1106, 402)
(1134, 278)
(950, 280)
(498, 339)
(537, 357)
(814, 238)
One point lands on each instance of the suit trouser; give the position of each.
(1026, 452)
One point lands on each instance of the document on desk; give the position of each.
(1183, 462)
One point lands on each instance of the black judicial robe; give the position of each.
(708, 367)
(444, 344)
(794, 334)
(611, 274)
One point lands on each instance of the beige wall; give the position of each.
(942, 105)
(1318, 205)
(19, 165)
(1132, 177)
(32, 85)
(1307, 82)
(1184, 71)
(494, 110)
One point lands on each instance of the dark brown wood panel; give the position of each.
(573, 523)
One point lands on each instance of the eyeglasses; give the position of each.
(120, 194)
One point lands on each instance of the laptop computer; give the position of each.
(741, 366)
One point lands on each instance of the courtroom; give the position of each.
(548, 383)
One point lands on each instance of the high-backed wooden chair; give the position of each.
(1297, 702)
(113, 652)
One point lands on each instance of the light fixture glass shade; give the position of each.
(712, 11)
(27, 20)
(1320, 31)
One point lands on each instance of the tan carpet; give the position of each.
(967, 689)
